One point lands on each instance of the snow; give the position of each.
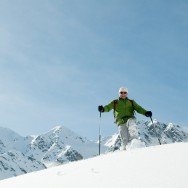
(16, 163)
(162, 166)
(135, 143)
(170, 126)
(11, 140)
(111, 141)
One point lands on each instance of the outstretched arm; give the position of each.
(139, 109)
(109, 107)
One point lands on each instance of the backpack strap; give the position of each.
(132, 106)
(115, 106)
(131, 102)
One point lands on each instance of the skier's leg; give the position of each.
(132, 129)
(123, 133)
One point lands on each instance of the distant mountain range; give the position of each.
(20, 155)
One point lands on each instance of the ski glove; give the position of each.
(100, 108)
(148, 114)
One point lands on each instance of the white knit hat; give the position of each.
(123, 89)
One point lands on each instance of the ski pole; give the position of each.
(100, 135)
(155, 131)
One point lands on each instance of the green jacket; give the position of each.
(124, 110)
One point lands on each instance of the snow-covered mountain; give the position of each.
(61, 145)
(10, 140)
(14, 163)
(20, 155)
(157, 167)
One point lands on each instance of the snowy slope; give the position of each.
(157, 167)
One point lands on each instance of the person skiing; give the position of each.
(124, 109)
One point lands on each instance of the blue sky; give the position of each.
(60, 59)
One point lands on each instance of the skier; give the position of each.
(124, 109)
